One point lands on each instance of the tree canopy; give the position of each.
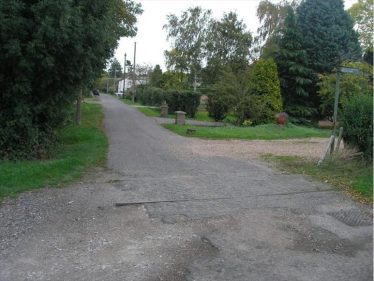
(115, 68)
(362, 14)
(51, 49)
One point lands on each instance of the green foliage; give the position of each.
(183, 100)
(150, 95)
(188, 33)
(197, 38)
(251, 94)
(357, 121)
(218, 106)
(362, 14)
(264, 90)
(272, 19)
(156, 77)
(115, 69)
(51, 49)
(227, 45)
(174, 80)
(81, 147)
(328, 34)
(350, 85)
(294, 76)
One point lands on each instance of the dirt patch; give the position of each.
(311, 148)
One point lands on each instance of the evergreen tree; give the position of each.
(293, 73)
(328, 34)
(156, 77)
(328, 38)
(115, 69)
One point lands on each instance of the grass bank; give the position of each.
(355, 177)
(81, 147)
(261, 132)
(155, 112)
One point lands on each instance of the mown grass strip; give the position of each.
(82, 147)
(355, 177)
(261, 132)
(155, 112)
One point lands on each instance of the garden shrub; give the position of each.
(357, 120)
(264, 85)
(152, 96)
(184, 100)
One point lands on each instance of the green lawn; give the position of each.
(82, 147)
(155, 112)
(356, 177)
(261, 132)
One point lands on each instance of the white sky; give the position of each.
(151, 38)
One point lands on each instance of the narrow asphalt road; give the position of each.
(160, 212)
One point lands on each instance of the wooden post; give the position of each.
(133, 75)
(339, 139)
(78, 109)
(328, 148)
(124, 77)
(336, 103)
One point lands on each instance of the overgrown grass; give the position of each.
(356, 177)
(82, 147)
(262, 132)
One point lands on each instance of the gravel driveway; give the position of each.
(171, 208)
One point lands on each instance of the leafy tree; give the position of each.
(252, 95)
(174, 80)
(293, 73)
(115, 69)
(156, 77)
(350, 85)
(50, 50)
(188, 36)
(362, 14)
(272, 18)
(227, 44)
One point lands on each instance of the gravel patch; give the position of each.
(311, 148)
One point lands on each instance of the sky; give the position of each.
(151, 37)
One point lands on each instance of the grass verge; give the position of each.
(155, 112)
(82, 147)
(355, 177)
(261, 132)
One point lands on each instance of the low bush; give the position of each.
(357, 120)
(150, 95)
(184, 100)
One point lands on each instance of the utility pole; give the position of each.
(336, 103)
(124, 77)
(114, 82)
(133, 75)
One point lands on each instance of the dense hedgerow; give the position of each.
(357, 120)
(50, 50)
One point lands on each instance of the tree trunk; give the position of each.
(78, 109)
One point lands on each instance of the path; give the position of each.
(182, 217)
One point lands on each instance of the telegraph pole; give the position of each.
(124, 77)
(133, 76)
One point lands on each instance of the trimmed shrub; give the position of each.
(152, 96)
(264, 87)
(184, 100)
(357, 120)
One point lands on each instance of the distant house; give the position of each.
(123, 87)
